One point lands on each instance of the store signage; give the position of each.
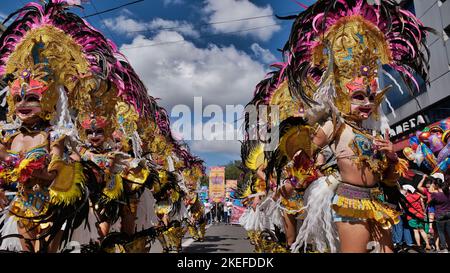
(408, 125)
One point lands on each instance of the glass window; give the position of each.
(400, 93)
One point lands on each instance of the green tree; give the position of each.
(232, 170)
(204, 181)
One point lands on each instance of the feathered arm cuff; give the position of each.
(393, 173)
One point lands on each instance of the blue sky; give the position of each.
(221, 62)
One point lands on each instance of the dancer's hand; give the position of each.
(386, 146)
(3, 153)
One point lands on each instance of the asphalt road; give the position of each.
(222, 238)
(219, 238)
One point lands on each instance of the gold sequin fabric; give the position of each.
(364, 203)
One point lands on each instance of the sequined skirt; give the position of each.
(352, 204)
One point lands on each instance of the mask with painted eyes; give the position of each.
(27, 93)
(362, 98)
(27, 108)
(94, 129)
(362, 106)
(96, 137)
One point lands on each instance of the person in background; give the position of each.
(220, 212)
(226, 219)
(426, 186)
(208, 213)
(229, 210)
(401, 234)
(214, 213)
(440, 198)
(416, 207)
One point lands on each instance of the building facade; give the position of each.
(431, 104)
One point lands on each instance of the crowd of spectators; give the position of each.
(425, 222)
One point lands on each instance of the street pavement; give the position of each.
(220, 238)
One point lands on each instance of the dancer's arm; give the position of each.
(56, 153)
(3, 200)
(3, 154)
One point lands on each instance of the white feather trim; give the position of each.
(9, 227)
(318, 227)
(83, 235)
(146, 216)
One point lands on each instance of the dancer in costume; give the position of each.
(336, 52)
(196, 219)
(38, 139)
(334, 68)
(107, 189)
(137, 176)
(118, 179)
(168, 195)
(262, 219)
(286, 205)
(32, 155)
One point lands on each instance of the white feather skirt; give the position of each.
(146, 216)
(247, 219)
(318, 227)
(9, 227)
(270, 215)
(83, 235)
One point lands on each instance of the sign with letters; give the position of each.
(217, 184)
(408, 125)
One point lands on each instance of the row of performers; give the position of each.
(48, 202)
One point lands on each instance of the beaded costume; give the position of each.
(196, 221)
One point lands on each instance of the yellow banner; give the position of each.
(217, 184)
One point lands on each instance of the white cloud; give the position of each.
(225, 10)
(126, 11)
(264, 54)
(179, 71)
(130, 27)
(182, 27)
(172, 2)
(226, 147)
(215, 142)
(3, 16)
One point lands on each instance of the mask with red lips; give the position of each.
(94, 128)
(27, 94)
(362, 98)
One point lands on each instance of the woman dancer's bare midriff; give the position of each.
(361, 176)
